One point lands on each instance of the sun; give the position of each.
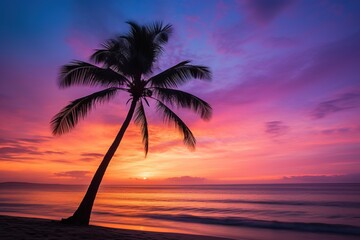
(145, 178)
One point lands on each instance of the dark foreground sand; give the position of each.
(17, 228)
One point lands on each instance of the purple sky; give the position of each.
(285, 91)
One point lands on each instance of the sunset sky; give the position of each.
(285, 92)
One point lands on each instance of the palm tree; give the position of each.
(125, 64)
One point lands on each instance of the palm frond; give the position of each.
(140, 120)
(185, 100)
(69, 116)
(179, 74)
(145, 45)
(135, 28)
(170, 116)
(114, 52)
(83, 73)
(159, 36)
(134, 53)
(102, 55)
(160, 33)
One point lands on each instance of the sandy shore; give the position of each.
(16, 228)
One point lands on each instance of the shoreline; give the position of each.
(38, 228)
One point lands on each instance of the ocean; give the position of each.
(254, 211)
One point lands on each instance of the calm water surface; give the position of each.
(289, 211)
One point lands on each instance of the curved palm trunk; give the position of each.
(82, 214)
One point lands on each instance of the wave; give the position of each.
(206, 210)
(244, 222)
(247, 222)
(293, 203)
(342, 204)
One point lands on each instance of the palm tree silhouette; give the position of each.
(124, 64)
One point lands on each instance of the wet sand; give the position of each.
(16, 228)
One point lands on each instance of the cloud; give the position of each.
(313, 70)
(54, 152)
(73, 174)
(263, 12)
(340, 103)
(331, 131)
(95, 155)
(276, 128)
(88, 157)
(331, 63)
(280, 42)
(12, 151)
(186, 180)
(346, 178)
(252, 90)
(35, 139)
(6, 141)
(20, 149)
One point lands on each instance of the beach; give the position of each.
(36, 228)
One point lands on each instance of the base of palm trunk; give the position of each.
(75, 220)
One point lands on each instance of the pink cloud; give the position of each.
(345, 178)
(262, 12)
(73, 174)
(343, 102)
(186, 180)
(276, 128)
(329, 63)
